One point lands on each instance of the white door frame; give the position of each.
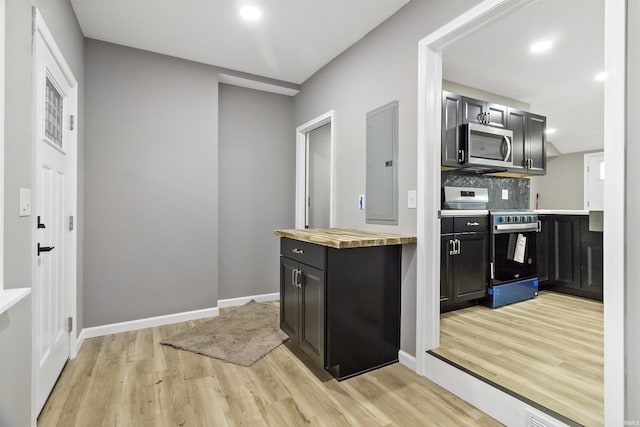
(301, 168)
(71, 150)
(2, 63)
(428, 230)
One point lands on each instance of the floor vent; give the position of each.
(535, 420)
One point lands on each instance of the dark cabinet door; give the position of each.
(451, 107)
(543, 249)
(472, 110)
(446, 271)
(289, 298)
(497, 115)
(470, 266)
(536, 127)
(517, 123)
(311, 333)
(566, 251)
(591, 264)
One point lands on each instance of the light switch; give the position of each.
(361, 202)
(25, 202)
(411, 199)
(505, 194)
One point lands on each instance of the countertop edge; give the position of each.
(376, 239)
(10, 297)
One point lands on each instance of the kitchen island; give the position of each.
(340, 297)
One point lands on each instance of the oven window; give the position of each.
(514, 257)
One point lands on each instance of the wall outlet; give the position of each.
(505, 194)
(361, 202)
(412, 202)
(25, 202)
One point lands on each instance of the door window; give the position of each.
(53, 114)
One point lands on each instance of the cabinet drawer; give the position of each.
(470, 224)
(304, 252)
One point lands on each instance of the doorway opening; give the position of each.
(315, 173)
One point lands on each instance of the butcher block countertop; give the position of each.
(340, 238)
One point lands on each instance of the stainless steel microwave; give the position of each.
(484, 145)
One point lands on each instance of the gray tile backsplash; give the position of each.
(518, 188)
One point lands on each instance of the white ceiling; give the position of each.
(558, 83)
(293, 40)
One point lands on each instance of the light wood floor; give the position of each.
(129, 379)
(549, 349)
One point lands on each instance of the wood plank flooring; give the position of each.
(129, 379)
(549, 349)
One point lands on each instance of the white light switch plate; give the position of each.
(25, 202)
(412, 202)
(361, 202)
(505, 194)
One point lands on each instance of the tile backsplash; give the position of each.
(518, 188)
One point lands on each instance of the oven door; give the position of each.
(513, 257)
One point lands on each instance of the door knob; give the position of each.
(45, 248)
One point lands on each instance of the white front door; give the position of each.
(55, 103)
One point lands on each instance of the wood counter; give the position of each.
(340, 238)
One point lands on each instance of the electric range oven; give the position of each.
(512, 254)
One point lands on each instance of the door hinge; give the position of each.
(70, 325)
(72, 122)
(71, 223)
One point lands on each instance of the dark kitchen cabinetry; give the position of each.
(573, 259)
(528, 141)
(476, 111)
(341, 306)
(464, 252)
(528, 147)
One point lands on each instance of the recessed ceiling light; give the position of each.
(601, 76)
(541, 46)
(250, 13)
(550, 131)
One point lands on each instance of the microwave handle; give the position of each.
(508, 142)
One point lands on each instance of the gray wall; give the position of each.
(381, 67)
(15, 363)
(563, 185)
(151, 185)
(633, 207)
(62, 23)
(257, 187)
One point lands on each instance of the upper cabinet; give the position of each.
(528, 141)
(486, 113)
(528, 144)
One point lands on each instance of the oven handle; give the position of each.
(512, 228)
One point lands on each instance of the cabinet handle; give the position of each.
(460, 156)
(480, 118)
(297, 251)
(293, 277)
(539, 227)
(452, 244)
(488, 117)
(473, 224)
(458, 250)
(298, 274)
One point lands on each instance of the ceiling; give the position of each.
(559, 83)
(292, 40)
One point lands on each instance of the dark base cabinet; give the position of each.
(570, 257)
(464, 252)
(341, 306)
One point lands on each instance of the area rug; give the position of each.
(240, 335)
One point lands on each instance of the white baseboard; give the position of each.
(79, 340)
(134, 325)
(407, 360)
(233, 302)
